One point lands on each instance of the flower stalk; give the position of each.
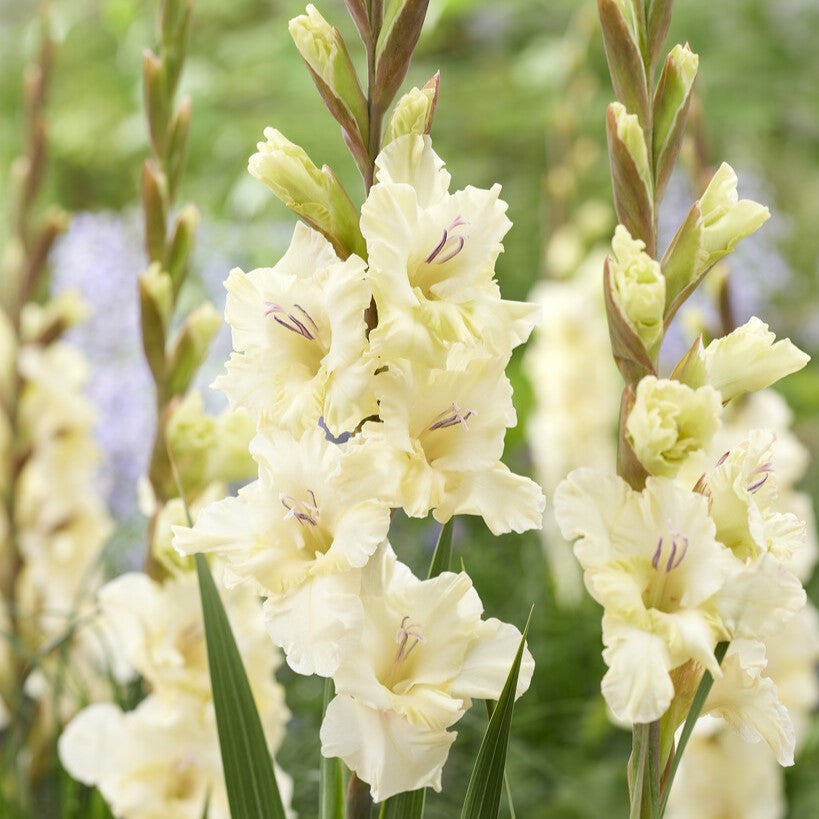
(665, 423)
(169, 232)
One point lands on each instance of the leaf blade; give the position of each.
(249, 778)
(408, 805)
(442, 557)
(482, 800)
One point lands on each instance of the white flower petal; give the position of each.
(383, 748)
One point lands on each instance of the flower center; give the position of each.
(397, 676)
(408, 636)
(679, 548)
(298, 321)
(664, 589)
(306, 512)
(450, 245)
(451, 417)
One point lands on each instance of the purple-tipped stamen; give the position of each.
(655, 561)
(298, 326)
(451, 417)
(723, 458)
(438, 248)
(764, 470)
(454, 243)
(296, 509)
(672, 563)
(406, 632)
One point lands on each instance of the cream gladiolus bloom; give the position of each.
(722, 776)
(743, 494)
(160, 630)
(670, 422)
(651, 559)
(155, 762)
(750, 359)
(298, 532)
(410, 672)
(747, 699)
(299, 337)
(432, 263)
(726, 219)
(444, 434)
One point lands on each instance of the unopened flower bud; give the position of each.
(638, 286)
(191, 347)
(713, 227)
(669, 422)
(314, 194)
(413, 112)
(323, 49)
(748, 359)
(156, 306)
(670, 110)
(42, 323)
(725, 218)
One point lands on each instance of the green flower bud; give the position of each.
(42, 323)
(8, 360)
(713, 227)
(670, 111)
(669, 422)
(725, 218)
(323, 49)
(231, 460)
(638, 287)
(624, 53)
(156, 284)
(181, 245)
(156, 307)
(314, 194)
(191, 347)
(191, 435)
(631, 173)
(748, 359)
(413, 112)
(631, 135)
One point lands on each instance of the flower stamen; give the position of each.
(305, 512)
(452, 416)
(450, 246)
(678, 542)
(764, 470)
(408, 636)
(297, 325)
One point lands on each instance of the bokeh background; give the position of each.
(524, 88)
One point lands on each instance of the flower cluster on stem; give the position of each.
(371, 357)
(685, 549)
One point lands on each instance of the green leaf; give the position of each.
(408, 805)
(331, 774)
(442, 558)
(490, 707)
(249, 778)
(482, 799)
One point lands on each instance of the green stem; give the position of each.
(693, 715)
(639, 753)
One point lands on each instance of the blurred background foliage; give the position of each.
(512, 107)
